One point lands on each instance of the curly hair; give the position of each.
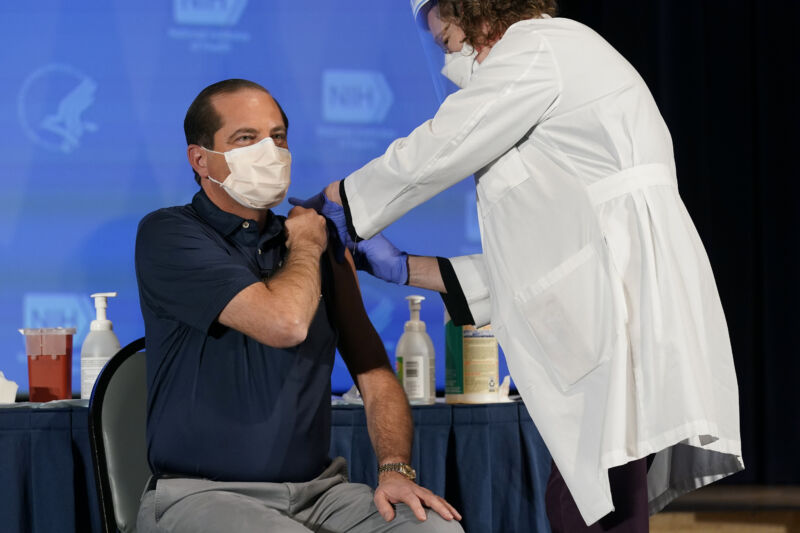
(485, 21)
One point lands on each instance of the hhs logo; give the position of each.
(208, 12)
(51, 105)
(355, 96)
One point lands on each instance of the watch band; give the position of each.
(402, 468)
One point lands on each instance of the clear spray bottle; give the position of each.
(416, 363)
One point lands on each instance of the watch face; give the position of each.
(401, 468)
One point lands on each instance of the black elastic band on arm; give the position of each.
(348, 218)
(454, 300)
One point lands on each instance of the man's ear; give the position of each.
(198, 159)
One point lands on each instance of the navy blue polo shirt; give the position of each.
(221, 405)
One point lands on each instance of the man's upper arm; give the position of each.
(184, 273)
(359, 344)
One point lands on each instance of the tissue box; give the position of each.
(8, 390)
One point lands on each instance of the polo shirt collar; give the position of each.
(228, 223)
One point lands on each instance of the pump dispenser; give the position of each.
(99, 346)
(416, 363)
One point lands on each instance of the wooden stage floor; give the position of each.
(732, 509)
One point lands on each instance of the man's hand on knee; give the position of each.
(395, 488)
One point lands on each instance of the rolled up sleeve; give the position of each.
(467, 299)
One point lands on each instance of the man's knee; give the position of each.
(433, 524)
(436, 524)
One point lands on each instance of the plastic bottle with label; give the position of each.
(100, 345)
(471, 364)
(415, 357)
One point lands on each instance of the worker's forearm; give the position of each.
(423, 272)
(389, 423)
(332, 192)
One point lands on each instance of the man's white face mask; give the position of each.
(260, 174)
(459, 66)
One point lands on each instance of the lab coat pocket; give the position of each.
(573, 313)
(502, 176)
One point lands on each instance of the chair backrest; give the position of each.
(117, 424)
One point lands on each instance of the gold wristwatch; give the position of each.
(403, 468)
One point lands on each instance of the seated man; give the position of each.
(243, 310)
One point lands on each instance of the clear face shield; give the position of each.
(449, 71)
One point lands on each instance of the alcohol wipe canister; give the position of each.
(472, 372)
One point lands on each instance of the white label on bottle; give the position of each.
(90, 369)
(412, 381)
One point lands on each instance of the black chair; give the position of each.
(117, 422)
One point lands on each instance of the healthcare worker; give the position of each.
(592, 273)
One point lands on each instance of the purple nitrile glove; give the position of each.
(379, 257)
(335, 214)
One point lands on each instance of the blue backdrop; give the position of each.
(93, 96)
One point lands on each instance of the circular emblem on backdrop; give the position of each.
(51, 105)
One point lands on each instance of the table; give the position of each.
(46, 468)
(487, 460)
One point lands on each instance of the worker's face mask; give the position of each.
(259, 175)
(459, 66)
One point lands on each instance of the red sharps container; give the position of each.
(49, 363)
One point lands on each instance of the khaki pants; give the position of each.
(328, 504)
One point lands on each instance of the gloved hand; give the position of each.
(335, 214)
(379, 257)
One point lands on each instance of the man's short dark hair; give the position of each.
(202, 120)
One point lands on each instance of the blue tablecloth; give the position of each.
(46, 469)
(487, 460)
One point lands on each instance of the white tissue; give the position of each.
(8, 390)
(353, 396)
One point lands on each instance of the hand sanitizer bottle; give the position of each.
(415, 357)
(100, 345)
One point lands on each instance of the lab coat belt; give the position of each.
(629, 180)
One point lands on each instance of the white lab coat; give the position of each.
(593, 275)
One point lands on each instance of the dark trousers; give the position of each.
(628, 492)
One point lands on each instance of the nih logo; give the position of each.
(355, 96)
(208, 12)
(54, 309)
